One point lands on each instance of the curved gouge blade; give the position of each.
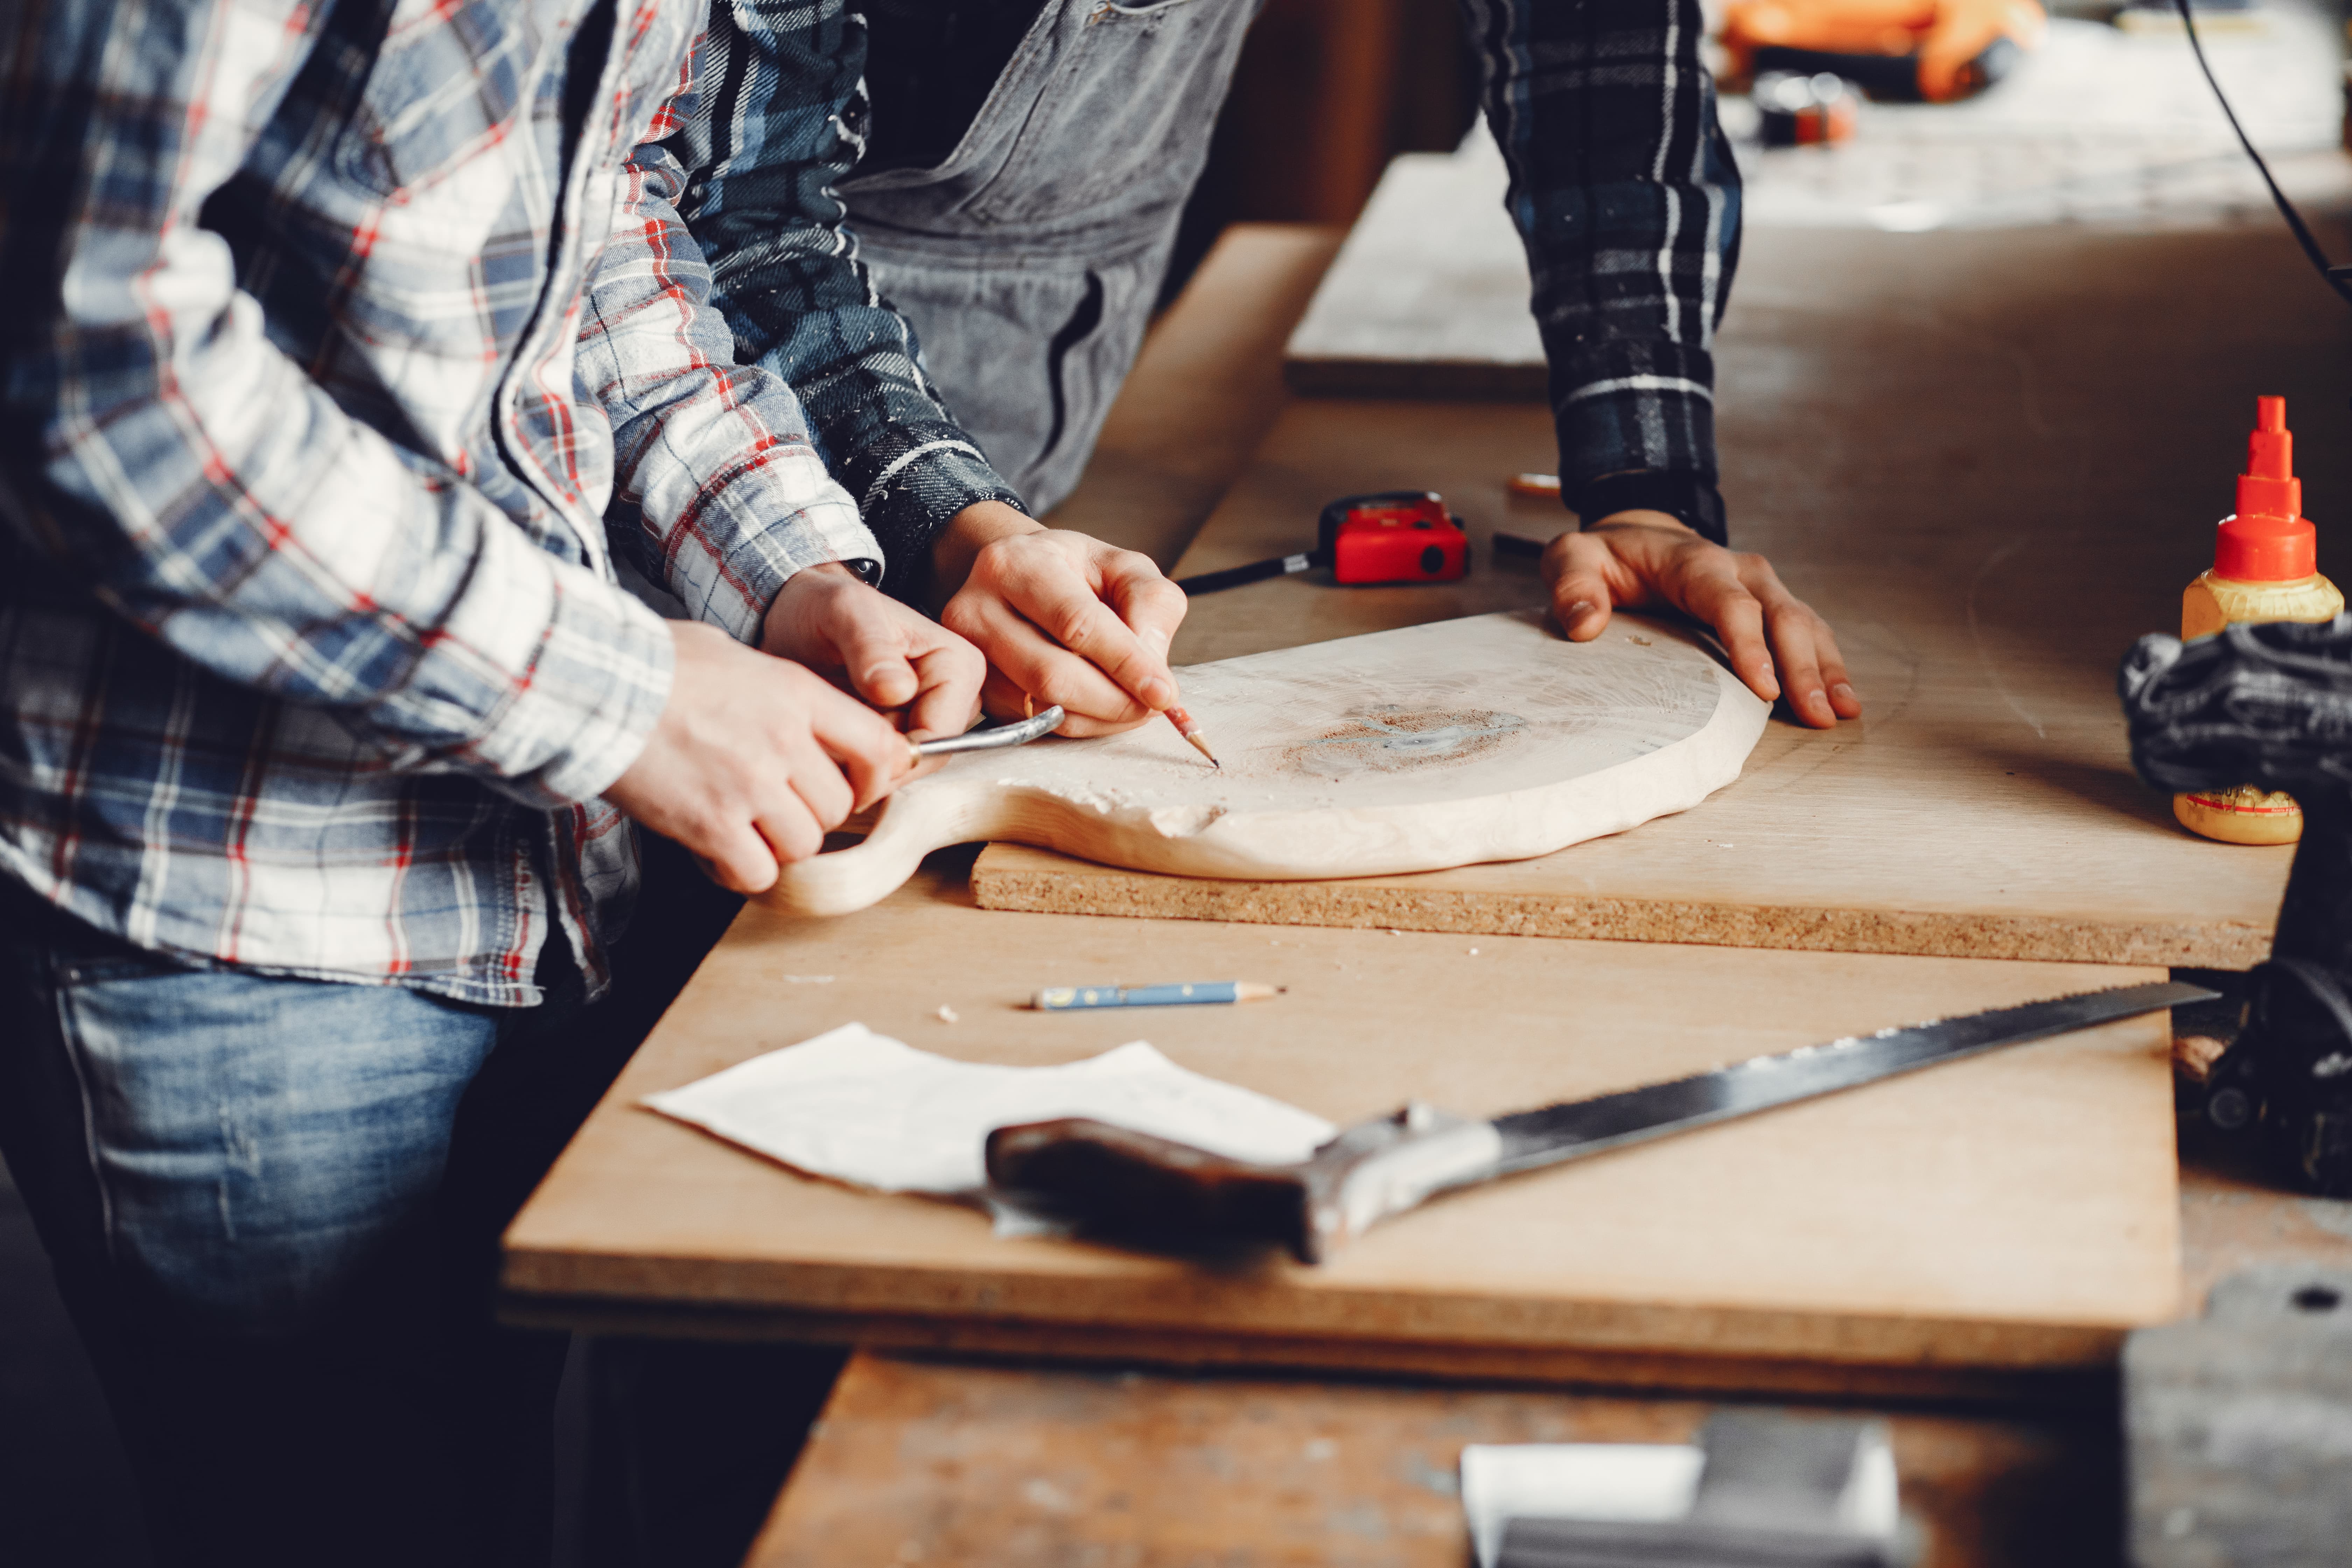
(1020, 733)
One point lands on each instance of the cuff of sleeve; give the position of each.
(1690, 498)
(1639, 408)
(591, 696)
(773, 520)
(916, 494)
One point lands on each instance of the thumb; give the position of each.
(1581, 599)
(874, 657)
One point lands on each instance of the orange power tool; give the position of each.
(1935, 50)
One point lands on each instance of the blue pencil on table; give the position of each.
(1070, 998)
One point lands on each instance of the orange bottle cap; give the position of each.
(2268, 539)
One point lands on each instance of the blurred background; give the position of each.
(2101, 117)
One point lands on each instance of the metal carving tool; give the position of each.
(990, 738)
(1112, 1180)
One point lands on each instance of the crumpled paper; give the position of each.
(875, 1113)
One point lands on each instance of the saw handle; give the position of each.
(1111, 1179)
(1117, 1180)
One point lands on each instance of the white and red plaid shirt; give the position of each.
(324, 362)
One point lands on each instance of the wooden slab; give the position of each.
(1488, 738)
(960, 1466)
(1989, 1226)
(1429, 296)
(1989, 479)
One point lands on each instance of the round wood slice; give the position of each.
(1490, 738)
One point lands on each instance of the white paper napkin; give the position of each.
(865, 1108)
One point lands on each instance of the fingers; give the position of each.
(1075, 612)
(862, 743)
(873, 651)
(1777, 643)
(949, 674)
(736, 854)
(1812, 671)
(754, 759)
(1033, 664)
(1153, 607)
(1576, 565)
(1066, 619)
(1715, 594)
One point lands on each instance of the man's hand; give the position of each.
(1062, 618)
(754, 760)
(1634, 559)
(893, 657)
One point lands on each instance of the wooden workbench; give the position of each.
(1905, 1239)
(949, 1463)
(1951, 453)
(648, 1225)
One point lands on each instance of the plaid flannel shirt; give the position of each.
(1622, 187)
(329, 341)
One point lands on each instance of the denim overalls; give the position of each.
(1030, 258)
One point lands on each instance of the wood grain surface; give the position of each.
(1487, 738)
(1909, 1227)
(954, 1466)
(1989, 520)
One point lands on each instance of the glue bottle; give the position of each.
(2265, 568)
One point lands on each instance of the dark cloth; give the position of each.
(929, 65)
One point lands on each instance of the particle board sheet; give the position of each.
(1989, 475)
(1991, 1225)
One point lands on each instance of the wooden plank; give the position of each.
(1988, 480)
(1910, 1226)
(1465, 740)
(1170, 450)
(954, 1466)
(1429, 296)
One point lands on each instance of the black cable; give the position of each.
(2337, 277)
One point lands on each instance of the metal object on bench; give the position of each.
(990, 738)
(1132, 1183)
(2239, 1427)
(1774, 1491)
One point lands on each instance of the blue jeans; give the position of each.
(273, 1209)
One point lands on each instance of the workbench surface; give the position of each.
(1985, 567)
(1986, 558)
(1970, 1230)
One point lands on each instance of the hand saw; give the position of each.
(1111, 1180)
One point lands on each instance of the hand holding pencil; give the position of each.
(1064, 620)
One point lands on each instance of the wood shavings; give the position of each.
(948, 1015)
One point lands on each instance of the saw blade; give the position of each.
(1564, 1132)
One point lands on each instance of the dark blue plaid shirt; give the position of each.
(1621, 184)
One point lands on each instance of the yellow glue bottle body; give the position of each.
(2264, 569)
